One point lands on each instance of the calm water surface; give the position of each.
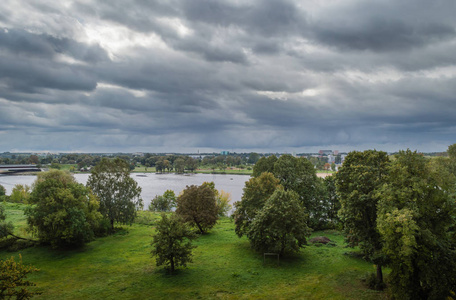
(155, 184)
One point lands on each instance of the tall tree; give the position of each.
(63, 212)
(256, 192)
(119, 194)
(197, 206)
(264, 164)
(172, 242)
(281, 225)
(298, 174)
(179, 165)
(357, 184)
(416, 209)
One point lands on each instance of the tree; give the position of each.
(2, 191)
(191, 164)
(5, 228)
(416, 209)
(222, 199)
(256, 192)
(172, 242)
(119, 194)
(264, 164)
(298, 174)
(223, 203)
(179, 165)
(253, 158)
(331, 200)
(197, 206)
(357, 183)
(281, 225)
(13, 281)
(163, 203)
(20, 194)
(63, 212)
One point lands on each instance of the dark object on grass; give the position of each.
(320, 239)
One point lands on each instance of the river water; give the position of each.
(155, 184)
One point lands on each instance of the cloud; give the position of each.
(238, 75)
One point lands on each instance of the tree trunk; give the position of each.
(379, 274)
(112, 224)
(199, 226)
(172, 264)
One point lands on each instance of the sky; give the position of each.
(235, 75)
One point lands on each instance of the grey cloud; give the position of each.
(209, 88)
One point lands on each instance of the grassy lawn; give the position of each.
(224, 267)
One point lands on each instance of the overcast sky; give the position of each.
(236, 75)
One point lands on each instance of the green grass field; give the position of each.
(121, 267)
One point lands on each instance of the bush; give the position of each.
(13, 283)
(64, 212)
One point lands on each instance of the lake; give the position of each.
(155, 184)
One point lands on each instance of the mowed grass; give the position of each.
(121, 267)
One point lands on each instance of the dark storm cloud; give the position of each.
(266, 75)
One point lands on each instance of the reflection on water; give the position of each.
(155, 184)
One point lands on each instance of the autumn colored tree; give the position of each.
(13, 283)
(197, 206)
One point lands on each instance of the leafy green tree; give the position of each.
(256, 191)
(20, 194)
(63, 212)
(13, 281)
(5, 227)
(357, 183)
(179, 165)
(416, 209)
(253, 158)
(222, 199)
(197, 206)
(119, 194)
(191, 164)
(172, 242)
(281, 225)
(2, 190)
(331, 201)
(298, 174)
(264, 164)
(163, 203)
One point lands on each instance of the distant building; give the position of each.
(224, 152)
(336, 152)
(325, 152)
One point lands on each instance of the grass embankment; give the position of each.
(120, 267)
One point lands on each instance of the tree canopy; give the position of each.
(357, 182)
(163, 202)
(63, 212)
(119, 194)
(281, 225)
(256, 191)
(172, 242)
(416, 209)
(197, 206)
